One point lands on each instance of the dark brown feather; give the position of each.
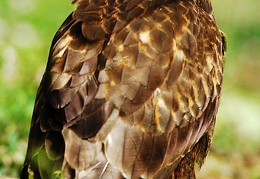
(131, 90)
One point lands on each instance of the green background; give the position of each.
(26, 30)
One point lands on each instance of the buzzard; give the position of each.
(131, 90)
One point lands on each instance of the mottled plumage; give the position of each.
(131, 90)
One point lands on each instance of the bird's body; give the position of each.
(131, 90)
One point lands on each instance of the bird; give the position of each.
(131, 90)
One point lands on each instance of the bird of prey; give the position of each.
(131, 90)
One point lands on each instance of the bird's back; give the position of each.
(131, 90)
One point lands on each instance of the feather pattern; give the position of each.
(131, 90)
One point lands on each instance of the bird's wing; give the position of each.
(130, 87)
(165, 75)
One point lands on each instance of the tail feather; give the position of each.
(100, 171)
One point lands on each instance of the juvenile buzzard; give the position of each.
(131, 90)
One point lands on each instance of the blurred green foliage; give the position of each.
(26, 30)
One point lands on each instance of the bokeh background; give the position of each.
(26, 30)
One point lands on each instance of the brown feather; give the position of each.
(131, 90)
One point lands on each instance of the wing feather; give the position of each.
(131, 90)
